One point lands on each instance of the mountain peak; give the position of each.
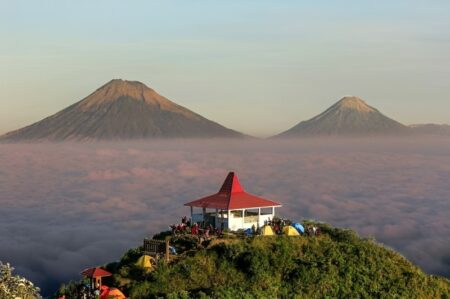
(350, 116)
(122, 109)
(354, 103)
(124, 84)
(119, 88)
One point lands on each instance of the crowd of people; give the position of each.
(203, 230)
(313, 230)
(83, 291)
(277, 225)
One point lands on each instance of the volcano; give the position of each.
(351, 116)
(121, 110)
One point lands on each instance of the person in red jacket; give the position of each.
(194, 229)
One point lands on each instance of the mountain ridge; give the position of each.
(121, 109)
(431, 129)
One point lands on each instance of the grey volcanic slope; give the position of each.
(431, 129)
(351, 116)
(121, 110)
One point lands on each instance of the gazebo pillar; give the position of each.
(259, 216)
(204, 215)
(216, 218)
(243, 217)
(192, 214)
(221, 219)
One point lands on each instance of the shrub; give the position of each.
(14, 286)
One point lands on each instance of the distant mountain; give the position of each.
(121, 110)
(351, 116)
(431, 129)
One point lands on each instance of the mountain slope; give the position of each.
(122, 110)
(335, 264)
(351, 116)
(431, 129)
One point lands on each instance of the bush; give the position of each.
(335, 264)
(14, 286)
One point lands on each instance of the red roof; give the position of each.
(232, 196)
(95, 272)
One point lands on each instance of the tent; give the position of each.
(146, 262)
(115, 294)
(267, 230)
(299, 228)
(111, 293)
(104, 292)
(290, 231)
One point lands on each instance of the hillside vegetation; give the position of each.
(335, 264)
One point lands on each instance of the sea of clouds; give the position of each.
(68, 206)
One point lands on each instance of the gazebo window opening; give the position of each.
(267, 211)
(251, 215)
(236, 214)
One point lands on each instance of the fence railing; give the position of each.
(154, 247)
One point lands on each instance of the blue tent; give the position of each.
(248, 232)
(299, 228)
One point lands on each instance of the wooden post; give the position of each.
(167, 249)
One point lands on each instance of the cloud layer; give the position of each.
(65, 207)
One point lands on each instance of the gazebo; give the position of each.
(232, 208)
(95, 275)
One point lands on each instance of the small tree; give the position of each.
(14, 286)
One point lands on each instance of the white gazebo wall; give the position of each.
(237, 219)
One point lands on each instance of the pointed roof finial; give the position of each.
(231, 184)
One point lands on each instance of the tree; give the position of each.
(14, 286)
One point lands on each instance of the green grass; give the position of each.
(336, 264)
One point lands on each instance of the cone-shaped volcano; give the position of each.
(122, 110)
(350, 116)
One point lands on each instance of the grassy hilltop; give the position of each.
(335, 264)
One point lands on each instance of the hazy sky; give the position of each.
(255, 66)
